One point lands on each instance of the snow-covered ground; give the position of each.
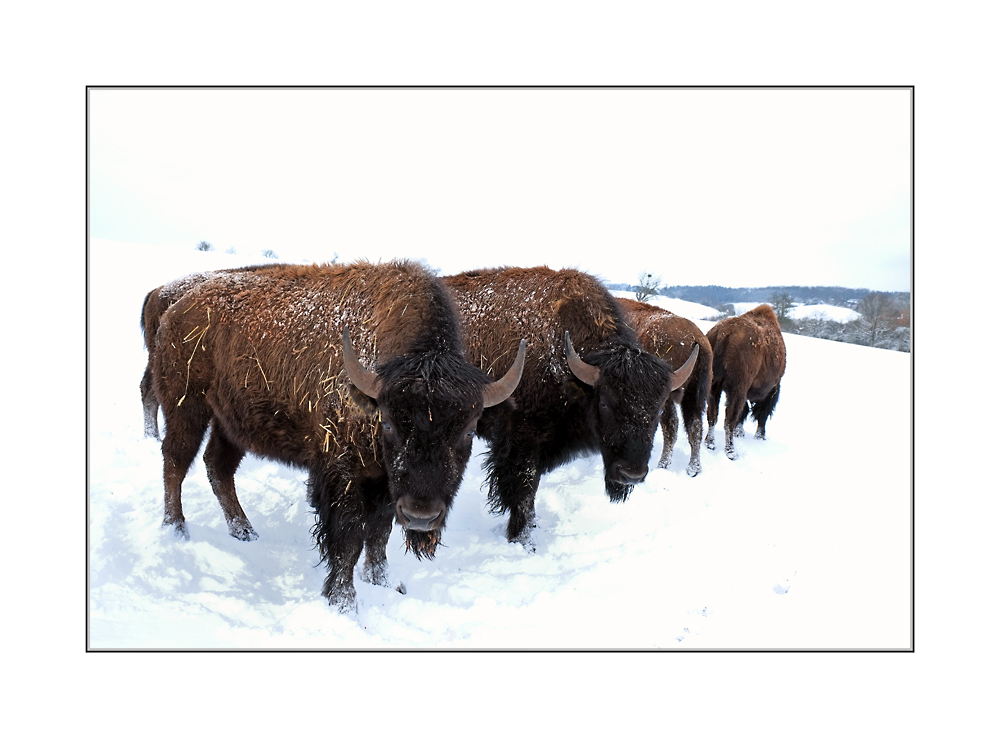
(801, 312)
(803, 542)
(689, 310)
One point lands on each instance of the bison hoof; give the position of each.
(180, 529)
(243, 533)
(525, 538)
(693, 470)
(345, 601)
(760, 435)
(731, 454)
(401, 588)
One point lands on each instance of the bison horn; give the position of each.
(682, 374)
(498, 391)
(365, 380)
(586, 373)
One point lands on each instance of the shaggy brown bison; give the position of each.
(153, 307)
(565, 406)
(748, 363)
(671, 337)
(268, 358)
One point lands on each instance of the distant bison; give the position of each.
(153, 307)
(671, 337)
(269, 358)
(749, 361)
(609, 401)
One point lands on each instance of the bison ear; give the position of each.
(682, 374)
(365, 380)
(586, 373)
(498, 391)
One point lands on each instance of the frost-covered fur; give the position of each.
(554, 416)
(258, 354)
(672, 338)
(154, 306)
(748, 363)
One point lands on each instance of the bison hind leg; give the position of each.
(222, 458)
(150, 406)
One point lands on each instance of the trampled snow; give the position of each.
(802, 542)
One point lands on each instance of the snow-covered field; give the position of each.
(804, 542)
(801, 312)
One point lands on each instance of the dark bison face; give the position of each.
(630, 387)
(429, 403)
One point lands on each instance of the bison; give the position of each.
(748, 363)
(670, 337)
(153, 307)
(270, 359)
(608, 401)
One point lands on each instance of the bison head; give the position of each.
(429, 402)
(629, 388)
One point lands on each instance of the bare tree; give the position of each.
(205, 246)
(878, 315)
(782, 304)
(648, 286)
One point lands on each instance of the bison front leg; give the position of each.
(339, 585)
(376, 568)
(513, 482)
(340, 533)
(668, 425)
(222, 458)
(692, 424)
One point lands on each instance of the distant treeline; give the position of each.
(715, 296)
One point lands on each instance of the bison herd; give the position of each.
(375, 378)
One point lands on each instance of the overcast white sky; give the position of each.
(739, 187)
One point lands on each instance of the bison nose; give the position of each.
(425, 516)
(630, 474)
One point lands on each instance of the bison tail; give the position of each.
(142, 321)
(765, 408)
(704, 386)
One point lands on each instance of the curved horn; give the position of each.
(682, 374)
(365, 380)
(498, 391)
(586, 373)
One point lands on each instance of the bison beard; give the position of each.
(608, 402)
(267, 359)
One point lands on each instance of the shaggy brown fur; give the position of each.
(259, 355)
(153, 307)
(557, 415)
(749, 361)
(671, 337)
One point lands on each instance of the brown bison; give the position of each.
(269, 358)
(609, 401)
(749, 361)
(153, 307)
(671, 337)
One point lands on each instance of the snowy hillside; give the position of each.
(803, 542)
(802, 312)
